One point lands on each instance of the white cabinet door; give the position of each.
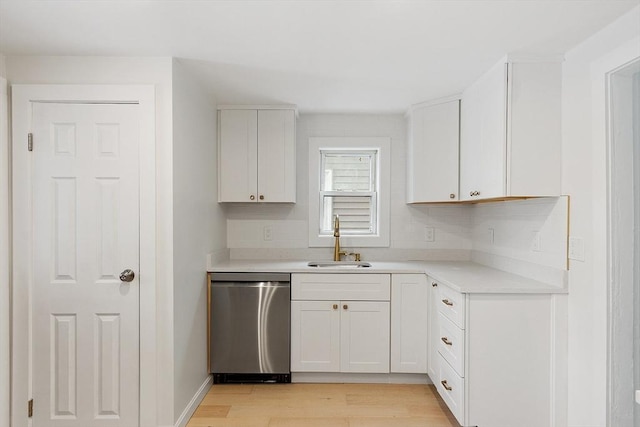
(409, 321)
(432, 153)
(257, 157)
(276, 156)
(510, 133)
(315, 336)
(434, 329)
(483, 136)
(364, 336)
(238, 156)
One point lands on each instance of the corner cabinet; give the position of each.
(432, 151)
(256, 154)
(340, 323)
(510, 132)
(496, 358)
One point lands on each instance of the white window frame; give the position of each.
(382, 145)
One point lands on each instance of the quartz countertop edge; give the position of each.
(461, 276)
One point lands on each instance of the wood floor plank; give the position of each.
(314, 405)
(309, 422)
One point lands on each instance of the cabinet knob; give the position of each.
(452, 196)
(252, 197)
(445, 385)
(434, 284)
(261, 197)
(447, 302)
(446, 341)
(335, 306)
(345, 306)
(471, 193)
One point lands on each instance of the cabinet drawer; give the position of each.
(343, 287)
(451, 387)
(451, 343)
(451, 304)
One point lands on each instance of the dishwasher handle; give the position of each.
(250, 284)
(250, 277)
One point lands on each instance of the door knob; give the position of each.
(127, 275)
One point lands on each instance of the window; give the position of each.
(348, 188)
(349, 177)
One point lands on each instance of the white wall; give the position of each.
(112, 70)
(199, 229)
(290, 222)
(585, 180)
(4, 248)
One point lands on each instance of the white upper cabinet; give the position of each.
(256, 155)
(510, 132)
(432, 152)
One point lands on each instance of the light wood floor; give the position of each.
(322, 405)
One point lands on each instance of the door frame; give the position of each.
(22, 96)
(620, 255)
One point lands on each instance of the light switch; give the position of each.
(576, 248)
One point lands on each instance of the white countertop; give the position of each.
(465, 277)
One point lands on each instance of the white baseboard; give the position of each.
(338, 377)
(193, 404)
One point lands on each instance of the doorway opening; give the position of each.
(624, 245)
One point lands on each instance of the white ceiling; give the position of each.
(322, 55)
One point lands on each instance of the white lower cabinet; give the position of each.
(342, 334)
(409, 320)
(315, 336)
(494, 357)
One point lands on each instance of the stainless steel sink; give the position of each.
(339, 264)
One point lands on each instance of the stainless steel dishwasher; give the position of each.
(250, 327)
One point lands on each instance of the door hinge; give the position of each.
(30, 141)
(30, 405)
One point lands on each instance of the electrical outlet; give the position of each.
(576, 248)
(267, 233)
(429, 234)
(491, 236)
(536, 244)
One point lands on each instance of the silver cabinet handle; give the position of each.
(127, 275)
(446, 341)
(447, 302)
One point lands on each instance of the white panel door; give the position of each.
(238, 151)
(364, 336)
(276, 156)
(315, 336)
(85, 330)
(409, 321)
